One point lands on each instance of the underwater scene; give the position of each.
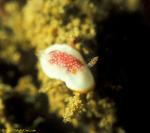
(64, 64)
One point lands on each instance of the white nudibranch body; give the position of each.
(61, 61)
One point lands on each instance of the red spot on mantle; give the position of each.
(71, 63)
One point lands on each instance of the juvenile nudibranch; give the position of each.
(61, 61)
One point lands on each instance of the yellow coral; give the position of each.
(39, 24)
(73, 110)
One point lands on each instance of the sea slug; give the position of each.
(63, 62)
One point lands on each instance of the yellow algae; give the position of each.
(8, 127)
(73, 110)
(33, 27)
(57, 94)
(133, 5)
(25, 84)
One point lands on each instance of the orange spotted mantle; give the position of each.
(69, 62)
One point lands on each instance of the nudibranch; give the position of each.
(63, 62)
